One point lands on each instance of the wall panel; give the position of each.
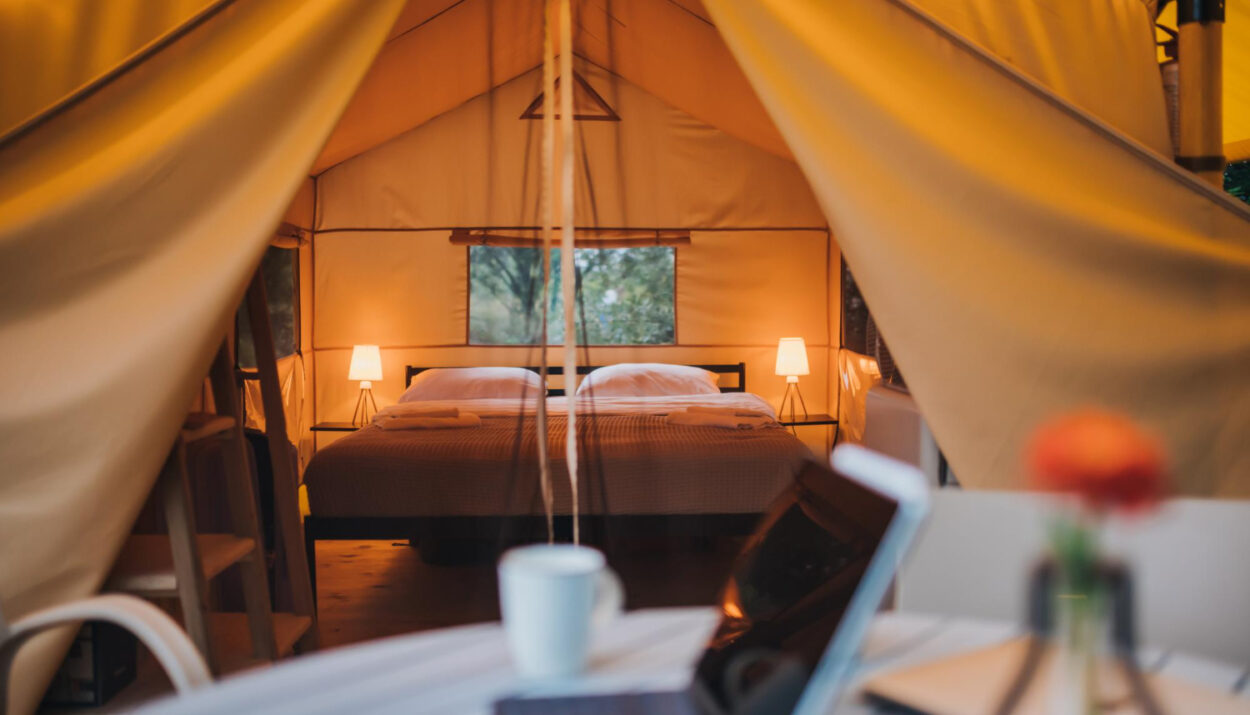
(737, 290)
(389, 288)
(753, 287)
(478, 165)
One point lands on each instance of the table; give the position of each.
(335, 427)
(464, 670)
(814, 419)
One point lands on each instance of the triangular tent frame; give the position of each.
(534, 110)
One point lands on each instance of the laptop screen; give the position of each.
(789, 589)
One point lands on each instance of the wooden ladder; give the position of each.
(180, 564)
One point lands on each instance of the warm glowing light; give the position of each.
(730, 602)
(367, 363)
(792, 357)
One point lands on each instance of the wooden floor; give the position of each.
(374, 589)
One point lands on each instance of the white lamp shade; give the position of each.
(367, 363)
(792, 357)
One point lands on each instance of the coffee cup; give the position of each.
(551, 595)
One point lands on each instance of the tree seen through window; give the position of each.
(626, 294)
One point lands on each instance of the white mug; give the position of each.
(550, 596)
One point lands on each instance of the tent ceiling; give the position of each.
(443, 53)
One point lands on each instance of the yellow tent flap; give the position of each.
(1022, 256)
(130, 222)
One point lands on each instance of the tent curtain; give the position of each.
(292, 380)
(1020, 255)
(120, 28)
(130, 223)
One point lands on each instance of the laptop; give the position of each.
(799, 600)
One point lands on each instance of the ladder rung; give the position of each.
(232, 639)
(201, 425)
(146, 564)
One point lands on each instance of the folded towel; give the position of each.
(464, 419)
(735, 411)
(419, 412)
(706, 419)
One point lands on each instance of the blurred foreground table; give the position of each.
(464, 670)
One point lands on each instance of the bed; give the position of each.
(635, 467)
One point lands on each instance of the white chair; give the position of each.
(1188, 563)
(157, 631)
(894, 427)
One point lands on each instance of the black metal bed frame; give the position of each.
(340, 528)
(739, 369)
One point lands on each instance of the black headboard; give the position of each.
(739, 369)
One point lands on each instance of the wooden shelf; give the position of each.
(202, 425)
(232, 640)
(146, 565)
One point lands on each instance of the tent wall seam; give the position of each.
(425, 22)
(694, 14)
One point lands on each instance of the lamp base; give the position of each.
(364, 401)
(792, 395)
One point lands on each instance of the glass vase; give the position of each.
(1080, 636)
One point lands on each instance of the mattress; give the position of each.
(631, 462)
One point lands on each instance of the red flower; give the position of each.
(1102, 457)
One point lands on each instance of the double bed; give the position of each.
(636, 465)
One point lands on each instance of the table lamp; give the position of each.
(792, 362)
(366, 367)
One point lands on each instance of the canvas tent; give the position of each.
(1010, 214)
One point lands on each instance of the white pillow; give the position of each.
(649, 379)
(470, 383)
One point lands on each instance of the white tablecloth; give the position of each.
(464, 670)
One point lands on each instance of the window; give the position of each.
(626, 296)
(280, 267)
(860, 333)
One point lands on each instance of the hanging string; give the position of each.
(593, 476)
(548, 159)
(518, 496)
(568, 279)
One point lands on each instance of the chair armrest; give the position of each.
(162, 636)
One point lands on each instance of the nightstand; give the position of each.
(818, 419)
(340, 427)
